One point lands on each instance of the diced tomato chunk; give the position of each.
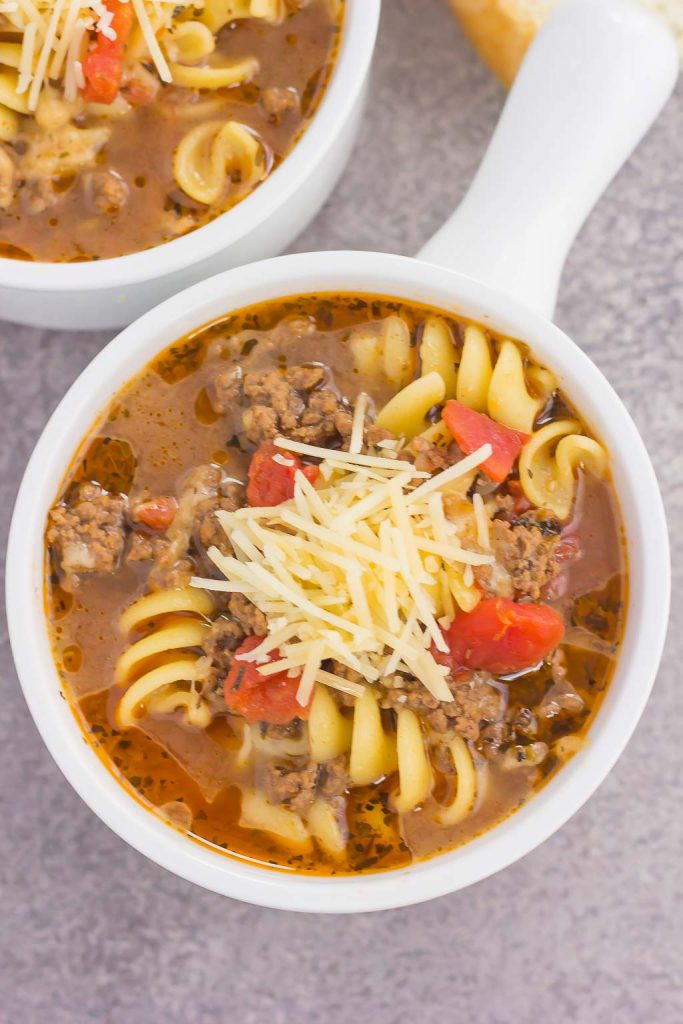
(473, 429)
(501, 636)
(271, 482)
(260, 698)
(157, 513)
(103, 65)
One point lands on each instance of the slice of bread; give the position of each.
(501, 30)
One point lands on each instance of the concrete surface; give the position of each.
(587, 928)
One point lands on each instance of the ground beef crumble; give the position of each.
(297, 781)
(527, 554)
(88, 534)
(220, 642)
(432, 458)
(209, 530)
(248, 615)
(142, 547)
(293, 783)
(296, 404)
(475, 702)
(334, 778)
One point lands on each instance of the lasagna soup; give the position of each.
(337, 582)
(125, 123)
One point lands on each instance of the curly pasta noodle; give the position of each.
(497, 385)
(178, 625)
(548, 464)
(375, 752)
(384, 347)
(188, 42)
(321, 823)
(208, 76)
(258, 813)
(549, 460)
(212, 154)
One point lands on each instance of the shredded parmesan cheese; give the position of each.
(358, 424)
(151, 41)
(482, 519)
(28, 46)
(356, 570)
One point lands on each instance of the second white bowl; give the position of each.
(113, 292)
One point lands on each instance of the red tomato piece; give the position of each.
(271, 482)
(157, 513)
(103, 65)
(261, 698)
(473, 429)
(501, 636)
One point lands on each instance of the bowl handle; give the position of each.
(592, 83)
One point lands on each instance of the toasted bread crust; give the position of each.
(500, 31)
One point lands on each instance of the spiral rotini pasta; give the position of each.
(385, 348)
(321, 823)
(327, 827)
(437, 353)
(499, 388)
(54, 111)
(466, 783)
(218, 76)
(258, 813)
(9, 95)
(548, 464)
(414, 769)
(374, 752)
(215, 153)
(405, 414)
(188, 42)
(329, 730)
(175, 683)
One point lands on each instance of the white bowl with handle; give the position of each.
(628, 66)
(113, 292)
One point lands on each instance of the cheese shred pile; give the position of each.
(365, 568)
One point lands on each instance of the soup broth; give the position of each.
(416, 729)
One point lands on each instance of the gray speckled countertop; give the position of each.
(586, 928)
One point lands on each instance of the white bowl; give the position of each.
(113, 292)
(411, 280)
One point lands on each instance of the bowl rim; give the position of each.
(349, 73)
(646, 536)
